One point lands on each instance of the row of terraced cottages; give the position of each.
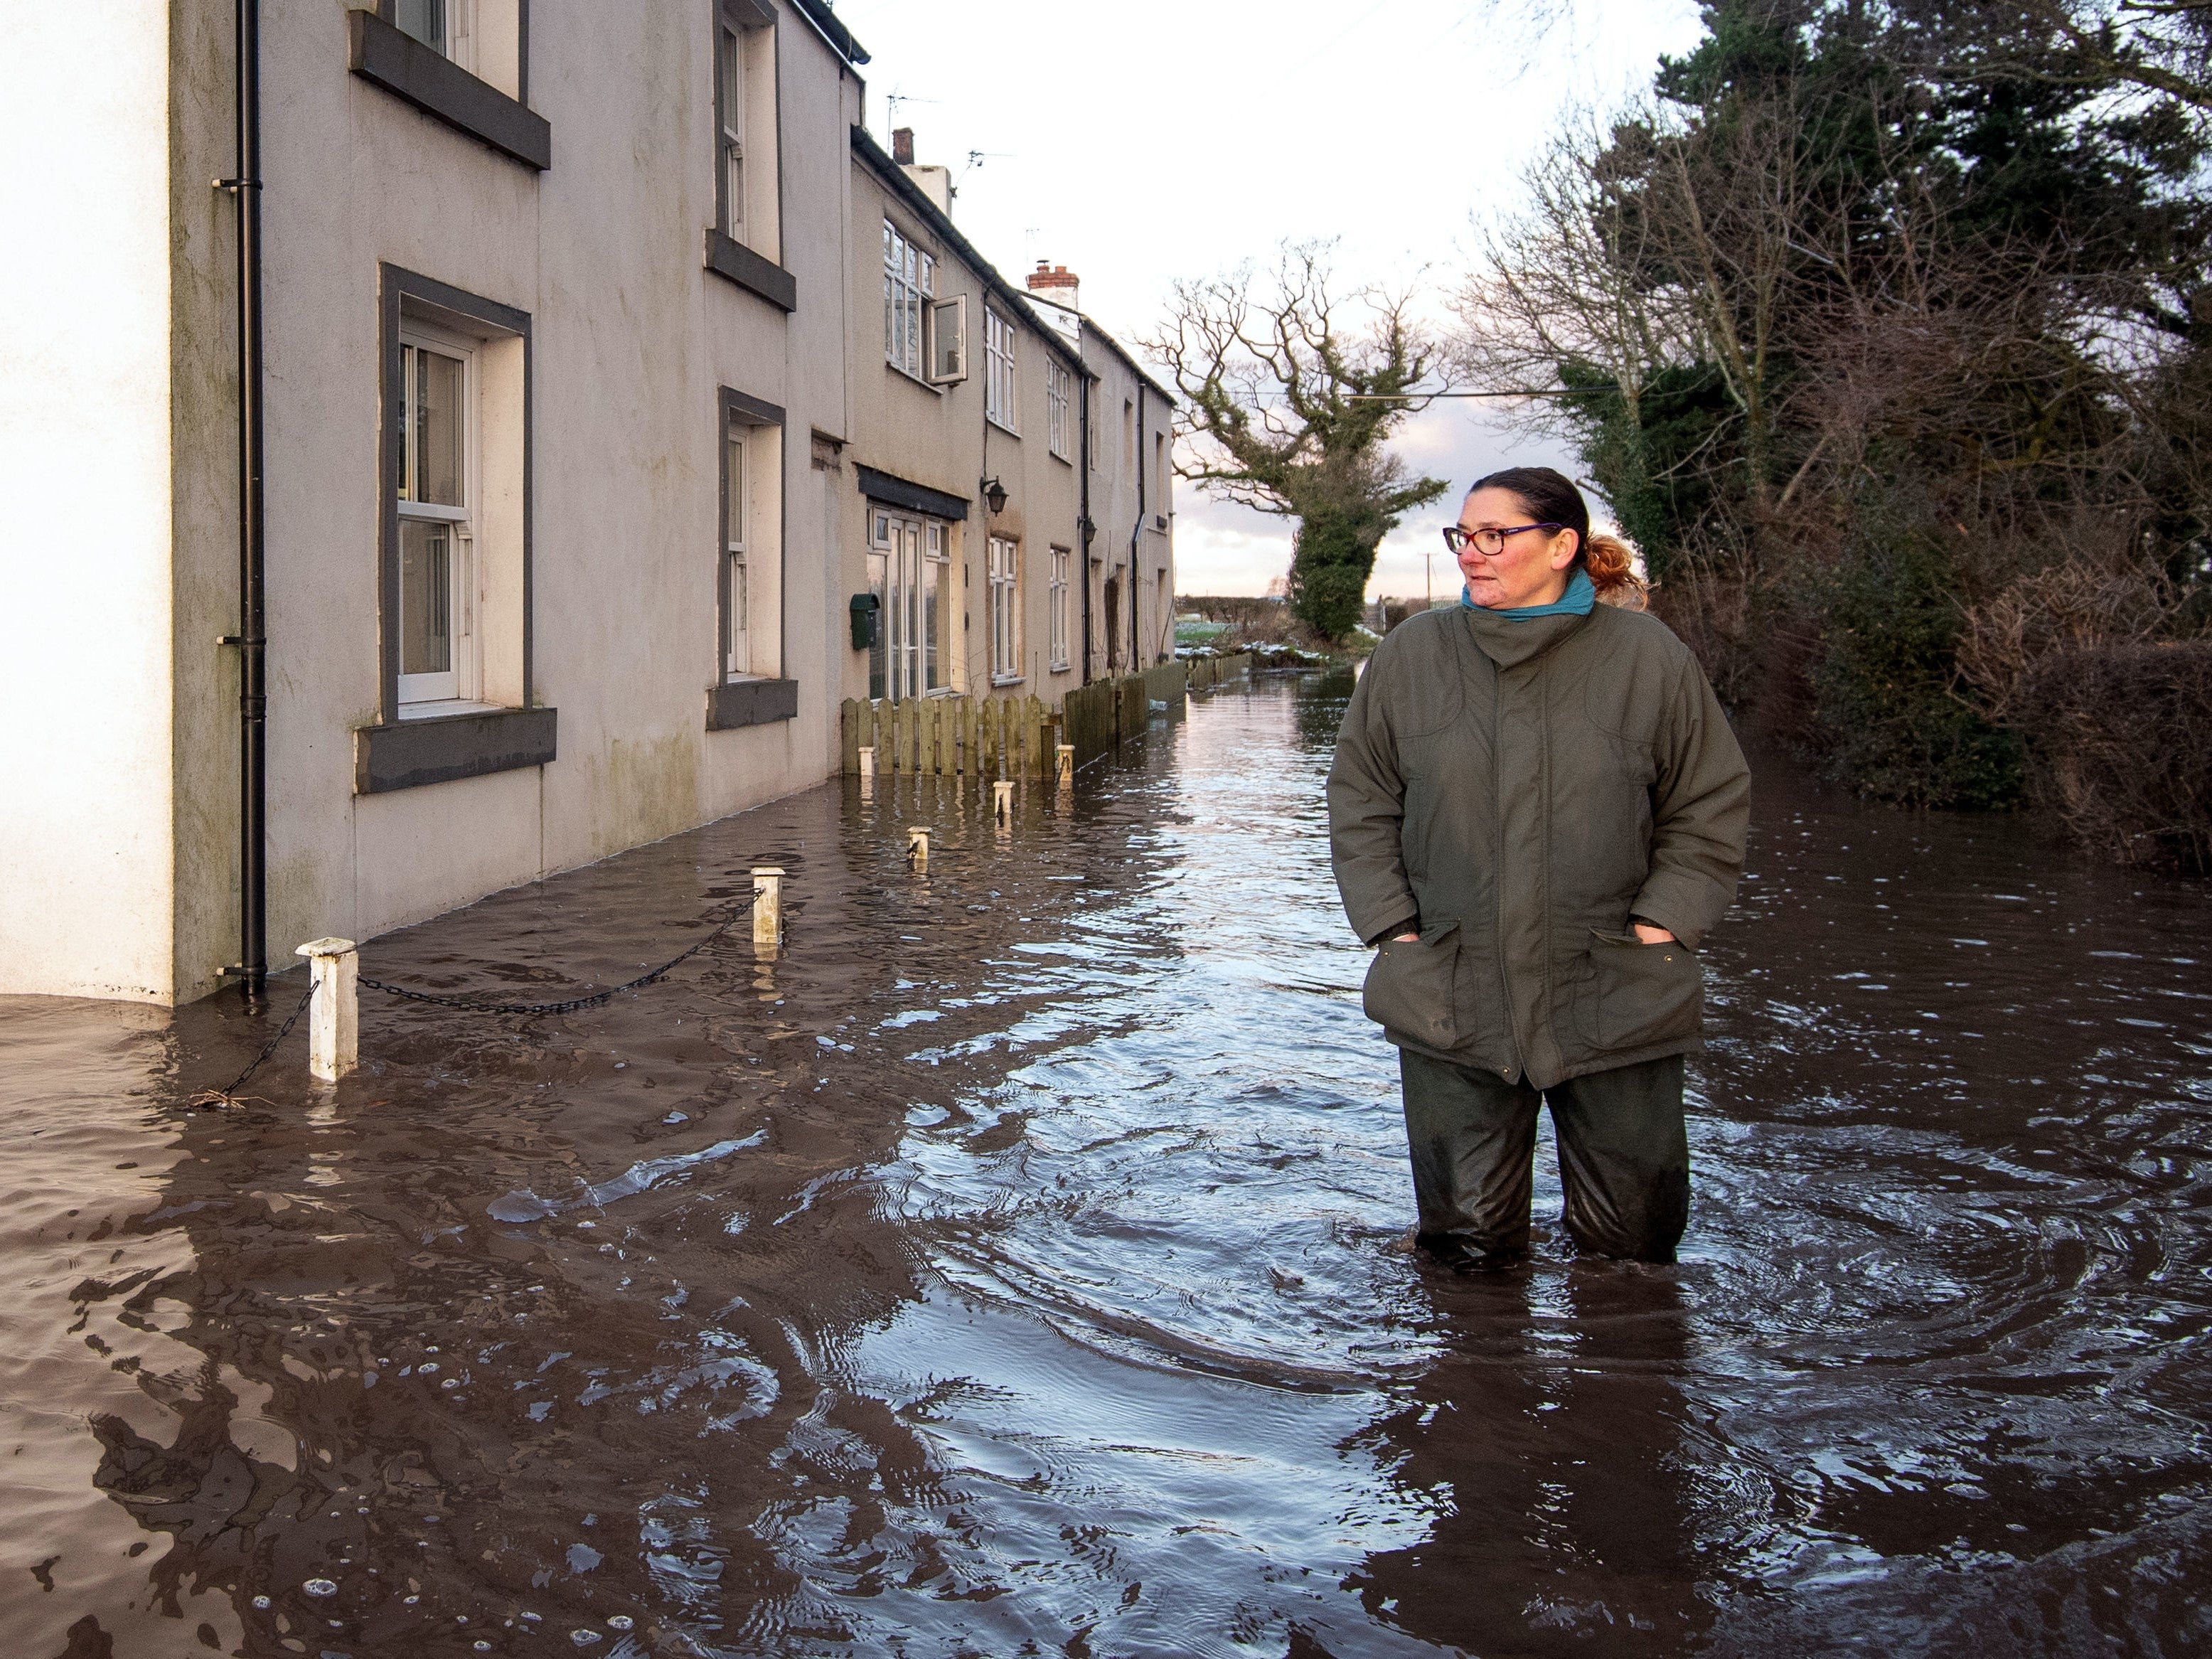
(620, 405)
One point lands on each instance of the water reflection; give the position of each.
(1548, 1441)
(1014, 1263)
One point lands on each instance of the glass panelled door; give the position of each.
(899, 664)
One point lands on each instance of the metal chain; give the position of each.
(473, 1005)
(229, 1097)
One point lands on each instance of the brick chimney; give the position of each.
(1057, 283)
(903, 146)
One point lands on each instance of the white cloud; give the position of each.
(1162, 138)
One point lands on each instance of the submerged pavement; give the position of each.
(1016, 1266)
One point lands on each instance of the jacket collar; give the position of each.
(1509, 641)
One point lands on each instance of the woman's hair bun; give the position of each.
(1611, 563)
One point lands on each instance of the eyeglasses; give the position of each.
(1488, 542)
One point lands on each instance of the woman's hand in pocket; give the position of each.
(1650, 935)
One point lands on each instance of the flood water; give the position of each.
(1016, 1266)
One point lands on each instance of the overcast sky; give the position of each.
(1162, 138)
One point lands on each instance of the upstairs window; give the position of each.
(910, 282)
(998, 369)
(1057, 424)
(732, 91)
(745, 207)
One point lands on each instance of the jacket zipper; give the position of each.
(1498, 857)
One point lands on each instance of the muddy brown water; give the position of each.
(1015, 1267)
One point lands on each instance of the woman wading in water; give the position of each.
(1537, 811)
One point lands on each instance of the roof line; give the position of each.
(833, 30)
(914, 197)
(1112, 345)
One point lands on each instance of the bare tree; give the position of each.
(1290, 392)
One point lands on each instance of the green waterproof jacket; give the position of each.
(1518, 790)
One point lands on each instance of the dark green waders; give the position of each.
(1624, 1159)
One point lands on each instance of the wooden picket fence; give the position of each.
(1207, 673)
(1019, 737)
(938, 736)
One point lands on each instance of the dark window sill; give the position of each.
(751, 703)
(408, 754)
(438, 86)
(749, 272)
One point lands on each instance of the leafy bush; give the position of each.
(1884, 715)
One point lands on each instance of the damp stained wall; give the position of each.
(118, 407)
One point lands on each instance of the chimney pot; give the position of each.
(903, 146)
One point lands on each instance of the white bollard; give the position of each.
(768, 905)
(1066, 752)
(867, 763)
(334, 1015)
(1002, 801)
(917, 846)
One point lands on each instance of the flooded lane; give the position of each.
(1016, 1266)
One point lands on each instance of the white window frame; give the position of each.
(459, 46)
(938, 650)
(948, 340)
(462, 680)
(1005, 565)
(749, 533)
(729, 124)
(910, 283)
(1057, 607)
(999, 371)
(736, 518)
(1057, 386)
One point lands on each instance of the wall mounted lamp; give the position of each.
(994, 496)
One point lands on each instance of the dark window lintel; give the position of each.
(894, 491)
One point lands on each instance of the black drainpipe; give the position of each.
(252, 969)
(1082, 523)
(1136, 633)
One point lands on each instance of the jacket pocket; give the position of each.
(1639, 994)
(1410, 987)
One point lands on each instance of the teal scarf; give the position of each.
(1579, 600)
